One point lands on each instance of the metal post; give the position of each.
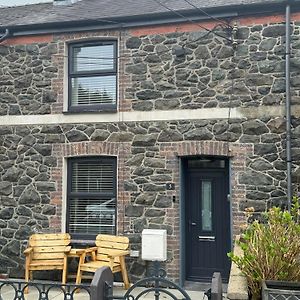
(103, 277)
(156, 283)
(288, 104)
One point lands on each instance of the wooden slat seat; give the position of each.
(46, 263)
(110, 251)
(47, 252)
(94, 265)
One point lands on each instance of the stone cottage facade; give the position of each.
(191, 133)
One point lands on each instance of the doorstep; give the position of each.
(201, 286)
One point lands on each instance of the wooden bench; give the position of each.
(47, 252)
(110, 251)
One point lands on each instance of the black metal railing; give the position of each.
(101, 288)
(158, 285)
(40, 290)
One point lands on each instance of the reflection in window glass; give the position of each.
(206, 163)
(93, 76)
(91, 197)
(206, 206)
(93, 90)
(92, 216)
(93, 58)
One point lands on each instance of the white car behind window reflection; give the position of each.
(105, 209)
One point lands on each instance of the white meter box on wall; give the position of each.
(154, 244)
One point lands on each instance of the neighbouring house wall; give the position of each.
(213, 101)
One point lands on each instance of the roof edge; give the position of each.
(153, 19)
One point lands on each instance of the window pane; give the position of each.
(91, 216)
(92, 177)
(206, 206)
(93, 90)
(92, 196)
(93, 58)
(206, 163)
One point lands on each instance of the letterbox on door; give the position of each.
(154, 244)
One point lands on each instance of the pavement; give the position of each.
(8, 293)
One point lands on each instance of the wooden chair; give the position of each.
(47, 252)
(110, 251)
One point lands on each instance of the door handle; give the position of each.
(191, 224)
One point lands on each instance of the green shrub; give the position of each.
(271, 248)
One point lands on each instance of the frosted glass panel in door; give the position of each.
(206, 206)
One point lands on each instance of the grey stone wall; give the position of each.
(27, 162)
(26, 73)
(210, 75)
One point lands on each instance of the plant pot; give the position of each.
(280, 290)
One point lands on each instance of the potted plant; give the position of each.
(271, 248)
(272, 289)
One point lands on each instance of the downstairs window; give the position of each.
(91, 197)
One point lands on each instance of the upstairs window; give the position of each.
(91, 199)
(93, 76)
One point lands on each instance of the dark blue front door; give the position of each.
(207, 219)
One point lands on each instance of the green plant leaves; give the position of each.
(271, 249)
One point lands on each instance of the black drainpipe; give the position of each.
(5, 35)
(288, 103)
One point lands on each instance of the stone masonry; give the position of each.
(211, 74)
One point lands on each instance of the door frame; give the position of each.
(182, 208)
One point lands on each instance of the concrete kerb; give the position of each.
(237, 285)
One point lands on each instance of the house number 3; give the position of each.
(170, 186)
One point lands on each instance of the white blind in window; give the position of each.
(93, 90)
(93, 177)
(92, 216)
(92, 202)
